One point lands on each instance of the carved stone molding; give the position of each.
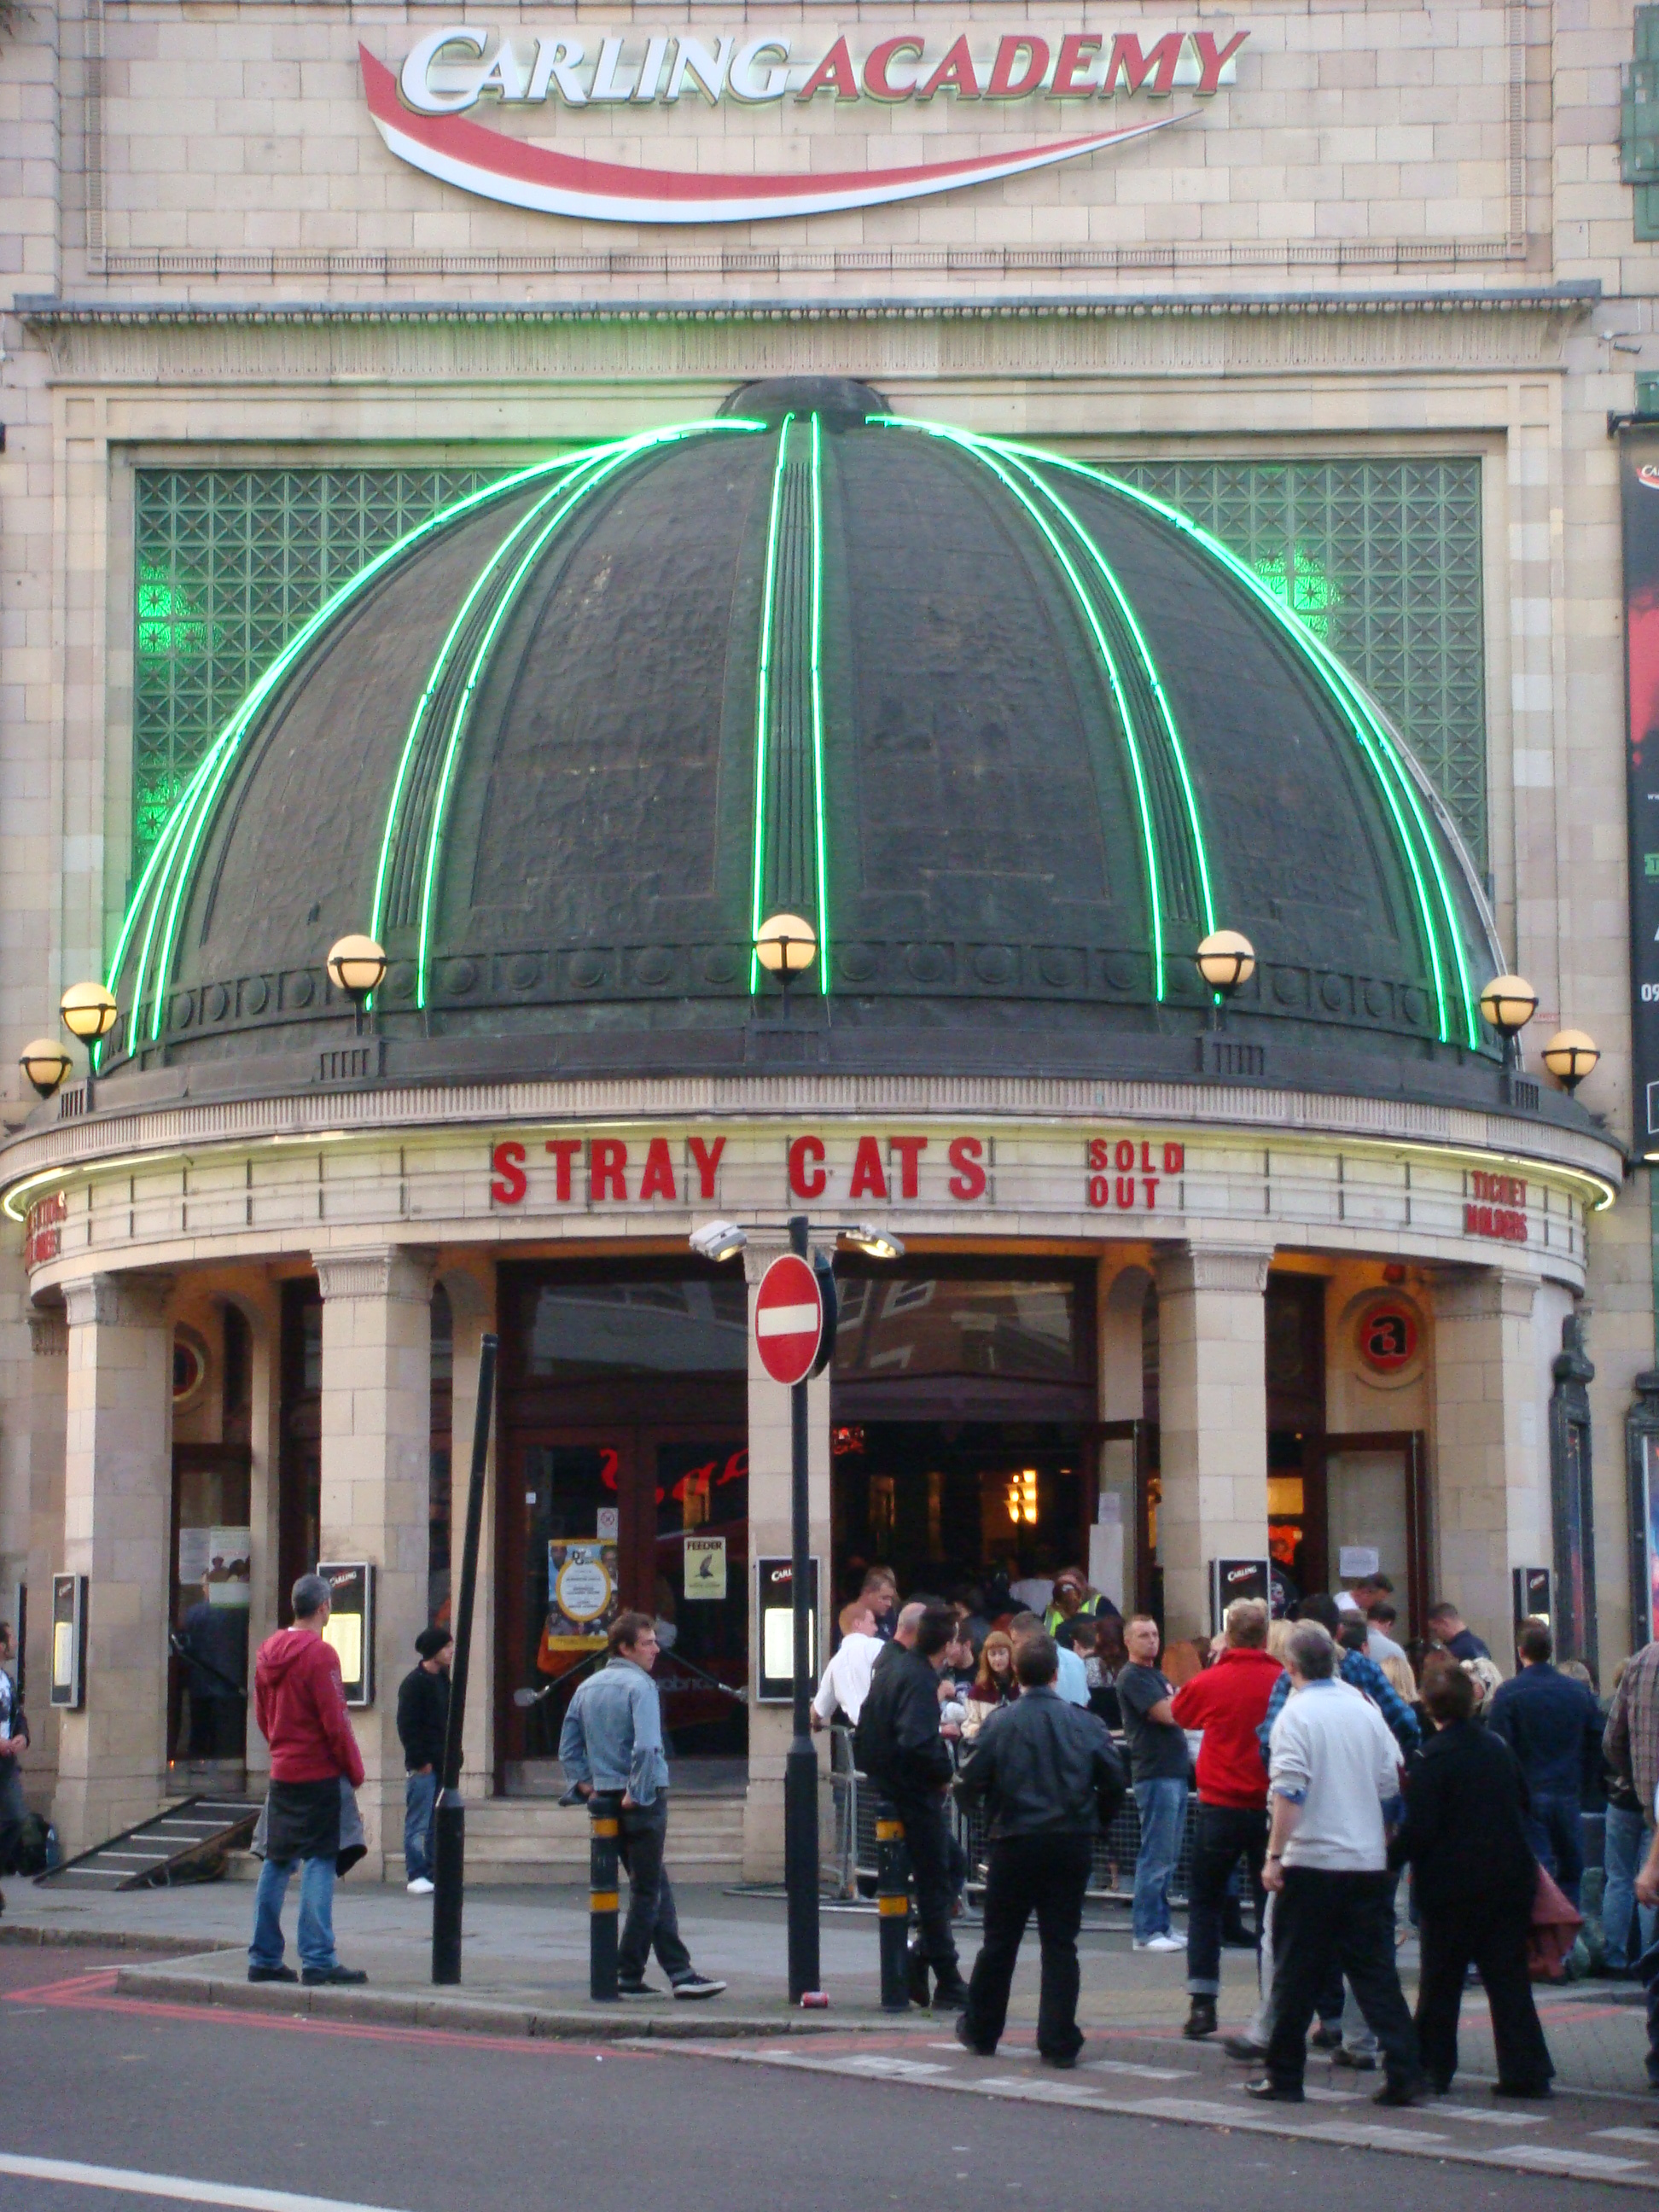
(1483, 1294)
(398, 1271)
(117, 1301)
(48, 1332)
(1240, 1272)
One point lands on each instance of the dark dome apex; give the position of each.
(1014, 736)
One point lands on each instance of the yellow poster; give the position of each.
(344, 1630)
(62, 1652)
(705, 1567)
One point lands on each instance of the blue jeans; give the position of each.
(1163, 1807)
(1626, 1846)
(1555, 1831)
(316, 1913)
(420, 1797)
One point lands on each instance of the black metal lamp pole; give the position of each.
(800, 1774)
(449, 1853)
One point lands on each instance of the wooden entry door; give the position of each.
(622, 1498)
(1371, 1492)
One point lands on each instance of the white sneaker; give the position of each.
(1163, 1943)
(419, 1887)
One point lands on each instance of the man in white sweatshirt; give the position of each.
(846, 1680)
(1333, 1782)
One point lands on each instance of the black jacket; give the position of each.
(897, 1743)
(1464, 1832)
(1044, 1767)
(422, 1714)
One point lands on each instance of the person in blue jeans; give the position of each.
(1628, 1929)
(422, 1719)
(1554, 1726)
(1647, 1966)
(1160, 1770)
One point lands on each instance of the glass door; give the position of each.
(699, 1589)
(1372, 1516)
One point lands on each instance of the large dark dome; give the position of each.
(1011, 735)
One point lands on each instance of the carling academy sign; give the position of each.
(1109, 88)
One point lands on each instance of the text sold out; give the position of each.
(1124, 1172)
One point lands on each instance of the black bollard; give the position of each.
(603, 1898)
(893, 1909)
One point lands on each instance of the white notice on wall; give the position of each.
(705, 1566)
(1356, 1559)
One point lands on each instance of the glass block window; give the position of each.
(1381, 560)
(229, 563)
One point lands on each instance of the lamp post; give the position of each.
(786, 946)
(1226, 959)
(88, 1011)
(1569, 1055)
(1508, 1004)
(356, 965)
(724, 1240)
(46, 1063)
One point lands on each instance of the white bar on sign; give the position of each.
(786, 1320)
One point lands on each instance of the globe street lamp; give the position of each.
(1226, 958)
(88, 1011)
(46, 1063)
(355, 966)
(1569, 1055)
(785, 945)
(1508, 1004)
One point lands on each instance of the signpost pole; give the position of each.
(800, 1778)
(449, 1853)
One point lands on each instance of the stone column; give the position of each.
(770, 1726)
(117, 1503)
(472, 1306)
(1490, 1511)
(41, 1474)
(1213, 1407)
(376, 1443)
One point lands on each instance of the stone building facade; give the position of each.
(1358, 287)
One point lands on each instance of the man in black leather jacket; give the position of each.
(1052, 1781)
(899, 1746)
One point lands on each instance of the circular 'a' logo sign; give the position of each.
(1387, 1337)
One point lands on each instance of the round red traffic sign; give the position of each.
(789, 1320)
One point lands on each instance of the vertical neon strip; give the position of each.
(1155, 683)
(989, 457)
(817, 711)
(763, 686)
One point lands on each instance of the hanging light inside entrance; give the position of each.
(1022, 1497)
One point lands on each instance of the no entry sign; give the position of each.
(789, 1320)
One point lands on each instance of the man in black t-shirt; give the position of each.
(1158, 1766)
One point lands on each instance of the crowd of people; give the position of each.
(1329, 1769)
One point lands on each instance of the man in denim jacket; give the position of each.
(611, 1741)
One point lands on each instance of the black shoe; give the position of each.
(1407, 2090)
(979, 2050)
(915, 1968)
(335, 1977)
(1326, 2039)
(1270, 2093)
(1362, 2062)
(698, 1985)
(1200, 2020)
(272, 1974)
(1062, 2062)
(951, 1996)
(1522, 2089)
(638, 1989)
(1240, 2047)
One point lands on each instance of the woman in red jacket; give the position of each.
(1229, 1702)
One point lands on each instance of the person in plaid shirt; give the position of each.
(1631, 1743)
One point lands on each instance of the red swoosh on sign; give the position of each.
(524, 173)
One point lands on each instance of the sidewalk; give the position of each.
(525, 1969)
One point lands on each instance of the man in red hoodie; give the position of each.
(1229, 1702)
(299, 1699)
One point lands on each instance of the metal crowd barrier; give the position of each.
(850, 1869)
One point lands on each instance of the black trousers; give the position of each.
(652, 1923)
(1225, 1834)
(935, 1859)
(1046, 1875)
(1491, 1938)
(1349, 1917)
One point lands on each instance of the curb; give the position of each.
(475, 2016)
(40, 1937)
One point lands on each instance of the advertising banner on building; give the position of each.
(1639, 456)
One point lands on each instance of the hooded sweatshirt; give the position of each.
(1229, 1701)
(299, 1700)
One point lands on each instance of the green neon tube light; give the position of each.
(571, 497)
(186, 827)
(988, 457)
(1375, 742)
(1178, 752)
(440, 668)
(763, 686)
(818, 709)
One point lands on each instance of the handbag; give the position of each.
(1554, 1930)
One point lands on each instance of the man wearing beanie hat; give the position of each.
(422, 1716)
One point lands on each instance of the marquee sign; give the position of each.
(419, 109)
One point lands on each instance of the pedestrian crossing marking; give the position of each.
(1583, 2165)
(1490, 2119)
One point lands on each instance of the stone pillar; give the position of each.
(42, 1472)
(1212, 1410)
(1489, 1512)
(770, 1726)
(376, 1443)
(118, 1504)
(472, 1305)
(261, 1308)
